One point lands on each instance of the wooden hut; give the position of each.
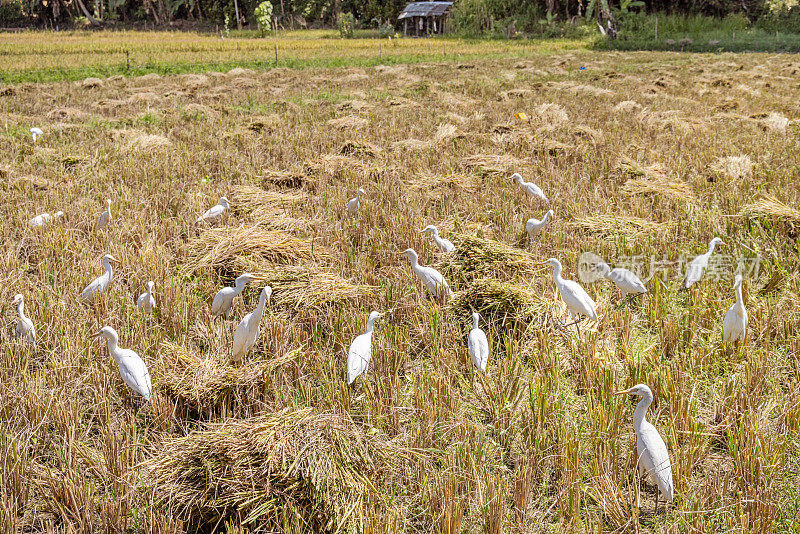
(425, 18)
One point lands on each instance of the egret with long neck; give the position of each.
(445, 245)
(246, 335)
(104, 219)
(734, 325)
(578, 301)
(695, 269)
(530, 188)
(24, 329)
(432, 279)
(102, 282)
(132, 368)
(354, 203)
(146, 302)
(534, 226)
(223, 300)
(626, 281)
(360, 353)
(478, 345)
(652, 454)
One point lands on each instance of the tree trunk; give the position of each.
(608, 15)
(88, 15)
(238, 19)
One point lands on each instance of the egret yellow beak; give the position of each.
(625, 392)
(96, 334)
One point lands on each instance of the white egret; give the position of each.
(534, 226)
(132, 368)
(478, 344)
(246, 335)
(625, 280)
(45, 218)
(24, 328)
(734, 326)
(575, 297)
(432, 278)
(35, 133)
(652, 455)
(214, 213)
(223, 300)
(530, 188)
(101, 283)
(360, 353)
(354, 203)
(104, 219)
(146, 302)
(445, 245)
(694, 272)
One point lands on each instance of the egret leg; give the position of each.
(656, 508)
(625, 300)
(575, 321)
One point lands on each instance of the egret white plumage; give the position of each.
(445, 245)
(214, 213)
(734, 325)
(652, 454)
(578, 301)
(354, 203)
(478, 345)
(146, 301)
(360, 353)
(132, 368)
(246, 335)
(223, 300)
(530, 188)
(24, 329)
(101, 283)
(104, 219)
(45, 218)
(431, 278)
(36, 133)
(694, 272)
(534, 226)
(625, 280)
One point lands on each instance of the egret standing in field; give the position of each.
(431, 278)
(354, 203)
(102, 282)
(214, 213)
(694, 272)
(478, 344)
(45, 218)
(627, 282)
(104, 219)
(734, 326)
(223, 300)
(132, 368)
(360, 353)
(530, 188)
(445, 245)
(247, 332)
(146, 302)
(534, 226)
(578, 301)
(652, 455)
(24, 329)
(36, 133)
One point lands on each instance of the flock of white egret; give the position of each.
(653, 458)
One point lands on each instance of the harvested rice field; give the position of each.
(644, 158)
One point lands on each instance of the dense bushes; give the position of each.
(496, 18)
